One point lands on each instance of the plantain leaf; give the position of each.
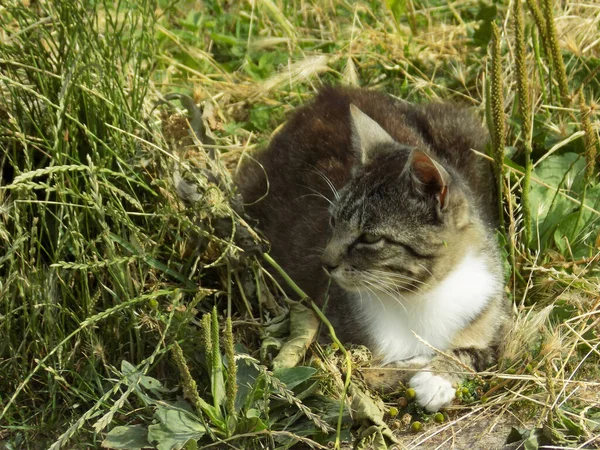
(293, 376)
(130, 437)
(175, 429)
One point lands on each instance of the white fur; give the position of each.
(433, 391)
(434, 315)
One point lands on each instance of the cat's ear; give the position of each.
(430, 176)
(367, 135)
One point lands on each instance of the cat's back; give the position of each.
(315, 141)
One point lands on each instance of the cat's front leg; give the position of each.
(435, 385)
(433, 391)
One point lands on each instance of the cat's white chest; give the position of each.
(435, 315)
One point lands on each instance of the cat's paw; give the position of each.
(433, 391)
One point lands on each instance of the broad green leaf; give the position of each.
(252, 413)
(532, 442)
(486, 15)
(175, 429)
(152, 384)
(397, 7)
(574, 428)
(214, 414)
(303, 329)
(580, 228)
(148, 383)
(130, 437)
(246, 377)
(293, 376)
(127, 368)
(549, 208)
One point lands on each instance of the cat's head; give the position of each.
(401, 221)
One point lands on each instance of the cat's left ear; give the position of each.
(367, 135)
(429, 175)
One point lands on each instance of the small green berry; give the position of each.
(415, 427)
(465, 391)
(511, 371)
(410, 393)
(484, 399)
(393, 411)
(439, 417)
(334, 346)
(458, 393)
(153, 303)
(529, 368)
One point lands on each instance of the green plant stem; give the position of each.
(327, 323)
(538, 61)
(541, 25)
(285, 276)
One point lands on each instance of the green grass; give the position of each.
(105, 272)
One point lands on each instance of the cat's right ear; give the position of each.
(367, 135)
(429, 176)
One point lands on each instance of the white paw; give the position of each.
(433, 392)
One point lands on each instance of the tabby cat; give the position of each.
(389, 200)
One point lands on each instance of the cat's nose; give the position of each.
(329, 261)
(329, 268)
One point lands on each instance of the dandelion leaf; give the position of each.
(366, 412)
(303, 329)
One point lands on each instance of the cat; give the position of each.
(389, 201)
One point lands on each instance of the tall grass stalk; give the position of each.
(591, 144)
(558, 63)
(524, 111)
(497, 120)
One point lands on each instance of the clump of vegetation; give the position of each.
(135, 310)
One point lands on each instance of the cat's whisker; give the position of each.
(366, 285)
(328, 181)
(429, 272)
(398, 296)
(318, 194)
(387, 291)
(359, 294)
(404, 286)
(398, 275)
(390, 281)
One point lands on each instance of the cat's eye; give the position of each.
(332, 221)
(369, 238)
